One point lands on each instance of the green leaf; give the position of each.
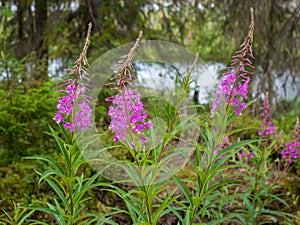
(58, 168)
(24, 217)
(167, 200)
(236, 146)
(280, 214)
(185, 191)
(196, 201)
(46, 174)
(42, 209)
(62, 146)
(225, 218)
(59, 193)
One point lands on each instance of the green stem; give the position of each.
(70, 185)
(199, 194)
(143, 188)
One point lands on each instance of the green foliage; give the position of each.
(23, 120)
(257, 205)
(19, 187)
(70, 187)
(287, 113)
(18, 218)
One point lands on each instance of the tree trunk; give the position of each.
(41, 45)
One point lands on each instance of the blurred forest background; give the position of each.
(41, 38)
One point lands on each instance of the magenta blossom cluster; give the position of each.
(243, 154)
(73, 113)
(267, 128)
(127, 114)
(233, 95)
(291, 152)
(233, 87)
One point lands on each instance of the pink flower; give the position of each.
(242, 154)
(127, 114)
(143, 139)
(291, 152)
(69, 104)
(251, 155)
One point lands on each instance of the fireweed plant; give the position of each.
(69, 205)
(208, 200)
(222, 181)
(263, 171)
(149, 199)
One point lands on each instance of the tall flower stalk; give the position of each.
(233, 86)
(233, 89)
(74, 111)
(126, 111)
